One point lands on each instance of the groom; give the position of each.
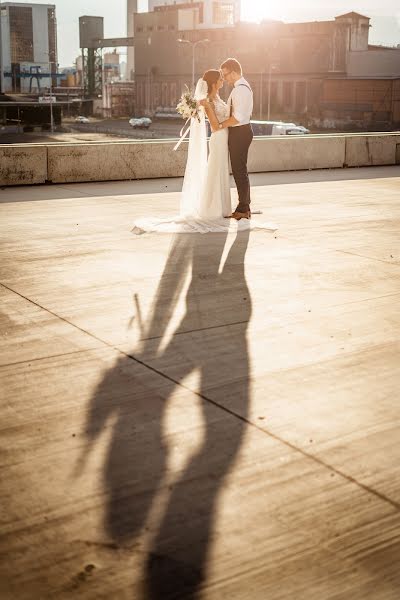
(240, 132)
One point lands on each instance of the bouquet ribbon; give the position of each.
(183, 133)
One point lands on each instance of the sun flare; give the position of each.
(256, 10)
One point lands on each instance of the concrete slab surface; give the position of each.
(201, 416)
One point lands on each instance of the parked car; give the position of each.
(296, 130)
(81, 119)
(141, 123)
(277, 128)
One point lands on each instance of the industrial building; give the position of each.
(209, 13)
(322, 72)
(190, 14)
(28, 47)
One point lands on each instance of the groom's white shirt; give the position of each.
(241, 100)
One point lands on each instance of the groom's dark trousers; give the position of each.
(240, 139)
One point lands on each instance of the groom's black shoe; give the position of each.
(240, 215)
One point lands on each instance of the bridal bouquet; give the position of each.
(187, 106)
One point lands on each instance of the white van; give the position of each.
(277, 128)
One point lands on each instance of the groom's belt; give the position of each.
(239, 126)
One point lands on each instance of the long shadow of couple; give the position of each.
(210, 339)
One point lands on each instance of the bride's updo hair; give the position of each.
(210, 77)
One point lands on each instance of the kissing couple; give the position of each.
(205, 204)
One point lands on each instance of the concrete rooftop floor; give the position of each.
(205, 417)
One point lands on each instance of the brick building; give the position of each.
(118, 99)
(359, 103)
(315, 72)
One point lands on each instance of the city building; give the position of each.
(111, 66)
(118, 99)
(131, 10)
(68, 77)
(191, 15)
(123, 69)
(28, 47)
(305, 71)
(207, 14)
(79, 70)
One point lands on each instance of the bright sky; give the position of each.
(313, 10)
(385, 17)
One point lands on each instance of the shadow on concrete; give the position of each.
(132, 399)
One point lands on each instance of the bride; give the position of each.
(205, 199)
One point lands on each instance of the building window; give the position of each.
(21, 34)
(171, 27)
(165, 95)
(140, 94)
(156, 94)
(301, 96)
(139, 29)
(223, 14)
(274, 92)
(173, 92)
(150, 28)
(288, 94)
(160, 27)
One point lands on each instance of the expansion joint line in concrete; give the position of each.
(48, 357)
(198, 330)
(382, 260)
(228, 411)
(286, 443)
(55, 315)
(359, 301)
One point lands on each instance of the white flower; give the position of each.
(187, 106)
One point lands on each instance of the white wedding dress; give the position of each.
(206, 197)
(216, 198)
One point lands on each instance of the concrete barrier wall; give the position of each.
(23, 164)
(112, 161)
(296, 153)
(371, 150)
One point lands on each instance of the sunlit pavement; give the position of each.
(191, 416)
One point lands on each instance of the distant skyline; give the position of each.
(385, 17)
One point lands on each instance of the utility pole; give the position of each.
(51, 103)
(261, 94)
(2, 90)
(272, 67)
(53, 17)
(194, 46)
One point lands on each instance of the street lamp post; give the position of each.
(2, 80)
(261, 94)
(51, 103)
(53, 16)
(193, 45)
